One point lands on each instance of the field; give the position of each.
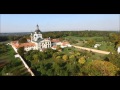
(10, 65)
(81, 41)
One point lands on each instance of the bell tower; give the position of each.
(37, 27)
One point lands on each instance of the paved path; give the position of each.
(93, 50)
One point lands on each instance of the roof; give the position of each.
(54, 46)
(39, 40)
(65, 43)
(37, 31)
(55, 40)
(17, 45)
(47, 38)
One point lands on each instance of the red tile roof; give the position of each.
(54, 46)
(55, 40)
(17, 45)
(65, 43)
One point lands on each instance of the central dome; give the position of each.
(37, 31)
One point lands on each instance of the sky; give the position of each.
(58, 22)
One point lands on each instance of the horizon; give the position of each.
(11, 23)
(68, 31)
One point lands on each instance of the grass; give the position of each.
(82, 38)
(105, 46)
(80, 41)
(10, 64)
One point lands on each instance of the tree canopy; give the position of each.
(22, 40)
(100, 68)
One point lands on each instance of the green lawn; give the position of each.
(10, 64)
(81, 41)
(82, 38)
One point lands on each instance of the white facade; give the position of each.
(118, 50)
(58, 43)
(30, 48)
(62, 45)
(36, 36)
(97, 45)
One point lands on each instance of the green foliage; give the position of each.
(3, 38)
(99, 68)
(59, 34)
(91, 42)
(22, 40)
(12, 66)
(35, 58)
(58, 57)
(65, 57)
(115, 38)
(82, 60)
(58, 47)
(3, 48)
(72, 57)
(13, 38)
(21, 51)
(114, 58)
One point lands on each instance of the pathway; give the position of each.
(25, 64)
(93, 50)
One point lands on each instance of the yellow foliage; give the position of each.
(82, 60)
(65, 57)
(100, 68)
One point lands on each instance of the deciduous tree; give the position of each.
(99, 68)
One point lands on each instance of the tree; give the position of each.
(36, 58)
(22, 40)
(99, 68)
(21, 51)
(56, 68)
(91, 42)
(114, 38)
(54, 55)
(28, 57)
(72, 59)
(42, 56)
(3, 48)
(114, 58)
(58, 57)
(82, 60)
(58, 47)
(65, 57)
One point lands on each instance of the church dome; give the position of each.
(38, 31)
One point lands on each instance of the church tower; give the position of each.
(36, 35)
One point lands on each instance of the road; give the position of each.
(93, 50)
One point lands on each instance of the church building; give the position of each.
(37, 42)
(40, 42)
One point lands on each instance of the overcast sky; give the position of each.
(58, 22)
